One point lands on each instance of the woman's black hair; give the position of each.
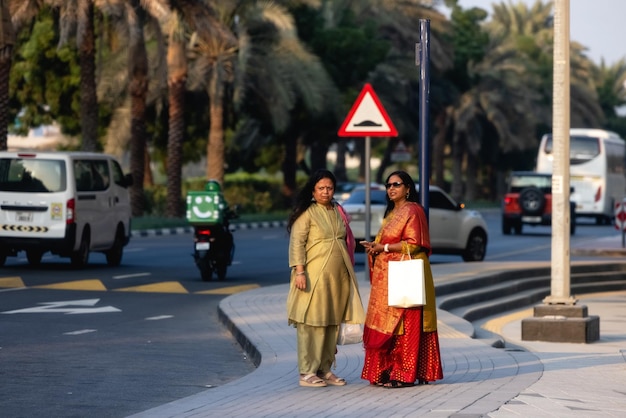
(408, 181)
(304, 198)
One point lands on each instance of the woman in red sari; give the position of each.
(401, 344)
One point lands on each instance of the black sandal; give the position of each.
(397, 384)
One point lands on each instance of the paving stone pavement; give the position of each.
(524, 379)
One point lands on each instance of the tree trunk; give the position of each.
(319, 152)
(472, 178)
(138, 68)
(177, 77)
(458, 152)
(88, 94)
(148, 178)
(5, 70)
(215, 145)
(386, 160)
(7, 40)
(290, 167)
(439, 146)
(175, 148)
(341, 173)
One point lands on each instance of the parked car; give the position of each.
(528, 201)
(67, 203)
(453, 229)
(343, 190)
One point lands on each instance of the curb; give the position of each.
(189, 229)
(599, 252)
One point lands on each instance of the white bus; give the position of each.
(597, 174)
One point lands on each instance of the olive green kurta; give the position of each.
(318, 241)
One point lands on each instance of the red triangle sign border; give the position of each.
(347, 130)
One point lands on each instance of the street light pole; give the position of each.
(560, 319)
(560, 284)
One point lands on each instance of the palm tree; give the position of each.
(77, 16)
(611, 87)
(272, 75)
(530, 29)
(7, 41)
(174, 31)
(176, 79)
(214, 56)
(510, 92)
(611, 84)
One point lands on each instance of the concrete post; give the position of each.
(560, 319)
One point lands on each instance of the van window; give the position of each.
(32, 176)
(118, 174)
(91, 175)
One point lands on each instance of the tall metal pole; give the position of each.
(368, 203)
(560, 278)
(422, 54)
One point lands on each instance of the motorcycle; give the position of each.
(214, 248)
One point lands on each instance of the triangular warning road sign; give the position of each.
(367, 117)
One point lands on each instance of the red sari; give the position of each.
(401, 344)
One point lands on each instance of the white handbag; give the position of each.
(350, 334)
(406, 287)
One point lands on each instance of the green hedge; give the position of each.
(254, 193)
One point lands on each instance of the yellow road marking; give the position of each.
(165, 287)
(97, 285)
(229, 290)
(10, 282)
(93, 284)
(495, 325)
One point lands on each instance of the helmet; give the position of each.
(212, 186)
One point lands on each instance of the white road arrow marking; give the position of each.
(64, 307)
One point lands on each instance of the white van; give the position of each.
(68, 203)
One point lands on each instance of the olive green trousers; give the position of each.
(317, 347)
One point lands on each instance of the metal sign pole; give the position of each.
(368, 199)
(423, 55)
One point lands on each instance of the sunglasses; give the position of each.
(395, 185)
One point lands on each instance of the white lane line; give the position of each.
(79, 332)
(157, 318)
(128, 276)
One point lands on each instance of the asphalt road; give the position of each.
(109, 342)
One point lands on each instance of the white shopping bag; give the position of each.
(406, 283)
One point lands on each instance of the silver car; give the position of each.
(453, 229)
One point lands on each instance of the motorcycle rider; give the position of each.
(209, 214)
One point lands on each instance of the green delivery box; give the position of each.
(205, 207)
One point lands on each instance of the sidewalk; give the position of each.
(523, 379)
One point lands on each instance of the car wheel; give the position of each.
(34, 257)
(476, 247)
(532, 201)
(114, 255)
(518, 228)
(3, 258)
(80, 258)
(506, 226)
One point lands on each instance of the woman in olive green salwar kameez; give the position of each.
(324, 290)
